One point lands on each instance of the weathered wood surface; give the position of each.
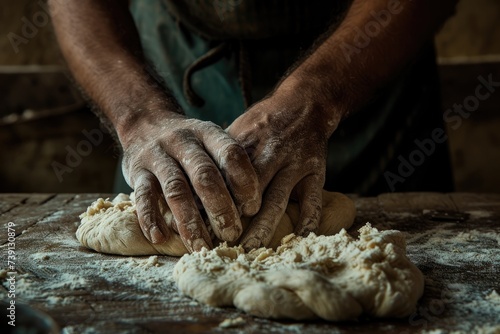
(88, 292)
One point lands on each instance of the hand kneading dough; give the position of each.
(112, 226)
(330, 277)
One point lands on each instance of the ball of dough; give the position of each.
(112, 226)
(335, 278)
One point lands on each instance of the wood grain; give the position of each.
(108, 302)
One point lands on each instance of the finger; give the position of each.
(264, 225)
(234, 163)
(146, 200)
(268, 159)
(309, 192)
(187, 219)
(174, 226)
(166, 212)
(211, 189)
(262, 154)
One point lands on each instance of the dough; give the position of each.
(334, 277)
(112, 226)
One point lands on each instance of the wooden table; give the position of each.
(453, 238)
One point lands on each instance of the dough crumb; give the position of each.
(494, 297)
(335, 278)
(112, 226)
(235, 322)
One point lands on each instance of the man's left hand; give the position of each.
(286, 138)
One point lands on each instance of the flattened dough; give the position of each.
(334, 277)
(112, 226)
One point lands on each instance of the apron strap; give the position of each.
(209, 58)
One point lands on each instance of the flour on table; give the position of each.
(233, 322)
(112, 226)
(330, 277)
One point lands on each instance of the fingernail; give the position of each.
(306, 228)
(230, 233)
(250, 208)
(251, 243)
(156, 236)
(198, 244)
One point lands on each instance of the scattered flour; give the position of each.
(232, 322)
(475, 330)
(459, 300)
(494, 297)
(479, 214)
(149, 278)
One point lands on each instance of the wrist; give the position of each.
(310, 94)
(131, 108)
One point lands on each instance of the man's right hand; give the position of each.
(164, 152)
(167, 154)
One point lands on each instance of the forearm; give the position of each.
(102, 48)
(167, 158)
(346, 70)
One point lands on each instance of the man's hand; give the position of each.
(287, 142)
(165, 154)
(167, 157)
(286, 134)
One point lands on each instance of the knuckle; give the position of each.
(205, 175)
(180, 136)
(136, 160)
(223, 216)
(277, 197)
(275, 143)
(141, 193)
(210, 127)
(275, 207)
(143, 186)
(174, 187)
(233, 152)
(262, 230)
(147, 178)
(180, 133)
(135, 166)
(190, 228)
(191, 225)
(220, 214)
(314, 200)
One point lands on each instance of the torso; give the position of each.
(256, 19)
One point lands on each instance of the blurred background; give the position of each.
(51, 142)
